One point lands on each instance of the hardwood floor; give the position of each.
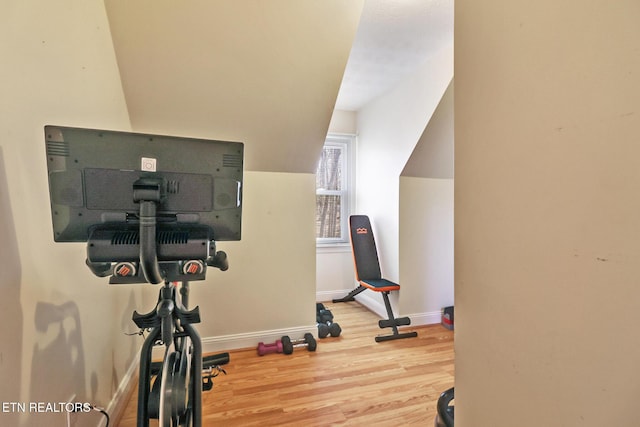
(349, 381)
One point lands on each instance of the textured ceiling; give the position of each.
(394, 38)
(263, 73)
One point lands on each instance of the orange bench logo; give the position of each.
(361, 230)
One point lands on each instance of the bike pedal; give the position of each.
(208, 375)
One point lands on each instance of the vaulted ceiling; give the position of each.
(263, 73)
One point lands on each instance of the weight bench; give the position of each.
(368, 275)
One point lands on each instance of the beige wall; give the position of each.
(61, 326)
(547, 122)
(426, 247)
(270, 284)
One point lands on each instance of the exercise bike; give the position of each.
(151, 208)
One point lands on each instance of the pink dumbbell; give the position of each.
(275, 347)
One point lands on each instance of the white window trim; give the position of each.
(348, 142)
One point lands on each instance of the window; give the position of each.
(333, 188)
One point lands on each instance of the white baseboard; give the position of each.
(120, 399)
(429, 318)
(251, 339)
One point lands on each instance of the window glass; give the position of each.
(333, 190)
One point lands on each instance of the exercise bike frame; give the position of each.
(183, 337)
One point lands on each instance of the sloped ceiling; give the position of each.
(266, 73)
(433, 155)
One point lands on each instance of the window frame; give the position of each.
(346, 144)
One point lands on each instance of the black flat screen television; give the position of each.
(92, 172)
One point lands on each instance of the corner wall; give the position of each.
(547, 110)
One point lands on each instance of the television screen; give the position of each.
(92, 174)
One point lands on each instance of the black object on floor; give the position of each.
(445, 409)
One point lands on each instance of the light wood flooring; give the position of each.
(349, 381)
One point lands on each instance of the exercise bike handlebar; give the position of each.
(219, 260)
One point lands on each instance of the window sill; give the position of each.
(328, 248)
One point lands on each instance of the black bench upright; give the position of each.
(369, 276)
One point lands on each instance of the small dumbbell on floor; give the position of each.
(326, 326)
(326, 329)
(275, 347)
(322, 313)
(308, 341)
